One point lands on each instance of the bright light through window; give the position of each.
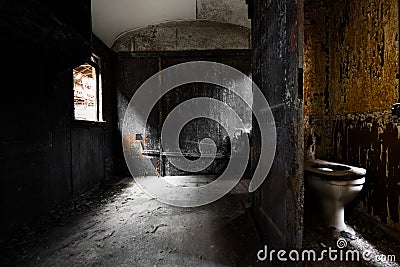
(87, 93)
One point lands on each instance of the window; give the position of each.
(87, 91)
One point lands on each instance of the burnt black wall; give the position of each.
(277, 50)
(135, 68)
(40, 144)
(92, 143)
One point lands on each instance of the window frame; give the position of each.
(95, 62)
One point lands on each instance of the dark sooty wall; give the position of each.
(46, 156)
(277, 44)
(137, 67)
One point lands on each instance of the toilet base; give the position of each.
(331, 216)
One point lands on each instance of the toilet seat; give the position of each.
(335, 173)
(359, 181)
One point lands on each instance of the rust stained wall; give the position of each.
(350, 56)
(315, 59)
(372, 140)
(350, 67)
(364, 58)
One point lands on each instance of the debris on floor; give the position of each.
(375, 247)
(118, 224)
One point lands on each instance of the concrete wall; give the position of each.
(40, 142)
(350, 68)
(228, 11)
(113, 18)
(185, 35)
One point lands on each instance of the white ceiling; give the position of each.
(111, 18)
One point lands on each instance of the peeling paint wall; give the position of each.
(373, 140)
(350, 68)
(185, 35)
(350, 56)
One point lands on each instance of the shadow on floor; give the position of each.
(119, 225)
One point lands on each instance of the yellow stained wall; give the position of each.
(350, 68)
(351, 56)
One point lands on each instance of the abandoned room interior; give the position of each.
(285, 110)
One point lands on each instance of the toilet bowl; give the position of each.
(333, 186)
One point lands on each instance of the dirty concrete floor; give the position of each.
(380, 248)
(119, 225)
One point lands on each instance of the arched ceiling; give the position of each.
(111, 18)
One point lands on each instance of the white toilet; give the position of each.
(334, 186)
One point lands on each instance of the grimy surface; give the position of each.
(119, 225)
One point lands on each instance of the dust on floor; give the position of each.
(119, 225)
(368, 245)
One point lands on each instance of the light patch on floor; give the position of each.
(128, 228)
(375, 248)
